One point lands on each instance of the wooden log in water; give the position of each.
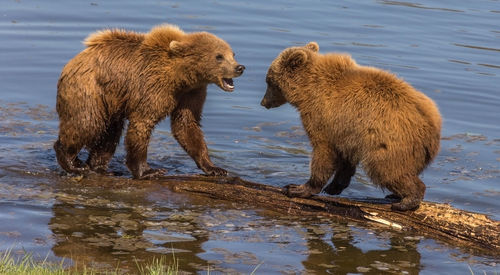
(435, 220)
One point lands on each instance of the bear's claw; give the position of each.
(295, 190)
(406, 204)
(332, 189)
(393, 197)
(152, 174)
(214, 171)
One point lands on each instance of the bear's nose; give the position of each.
(265, 103)
(239, 69)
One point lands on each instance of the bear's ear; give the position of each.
(178, 47)
(292, 59)
(313, 46)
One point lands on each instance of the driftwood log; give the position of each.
(439, 221)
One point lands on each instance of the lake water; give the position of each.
(450, 50)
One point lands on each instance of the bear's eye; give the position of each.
(219, 57)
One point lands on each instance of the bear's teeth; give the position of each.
(228, 82)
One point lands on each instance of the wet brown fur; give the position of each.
(356, 115)
(139, 77)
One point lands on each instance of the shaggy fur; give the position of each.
(356, 115)
(142, 78)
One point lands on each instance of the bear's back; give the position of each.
(112, 36)
(373, 107)
(387, 88)
(381, 86)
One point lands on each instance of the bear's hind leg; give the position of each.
(397, 171)
(410, 189)
(342, 178)
(68, 159)
(104, 148)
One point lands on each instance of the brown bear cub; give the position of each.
(356, 115)
(142, 78)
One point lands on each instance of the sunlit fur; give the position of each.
(357, 115)
(139, 77)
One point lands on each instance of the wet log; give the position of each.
(438, 221)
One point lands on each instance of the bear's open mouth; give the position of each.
(227, 84)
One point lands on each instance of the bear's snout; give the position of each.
(265, 103)
(239, 69)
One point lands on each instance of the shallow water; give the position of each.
(449, 50)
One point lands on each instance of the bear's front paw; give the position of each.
(152, 174)
(301, 191)
(406, 204)
(333, 189)
(393, 197)
(214, 171)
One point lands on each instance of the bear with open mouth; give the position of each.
(140, 77)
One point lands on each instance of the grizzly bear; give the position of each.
(140, 77)
(356, 115)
